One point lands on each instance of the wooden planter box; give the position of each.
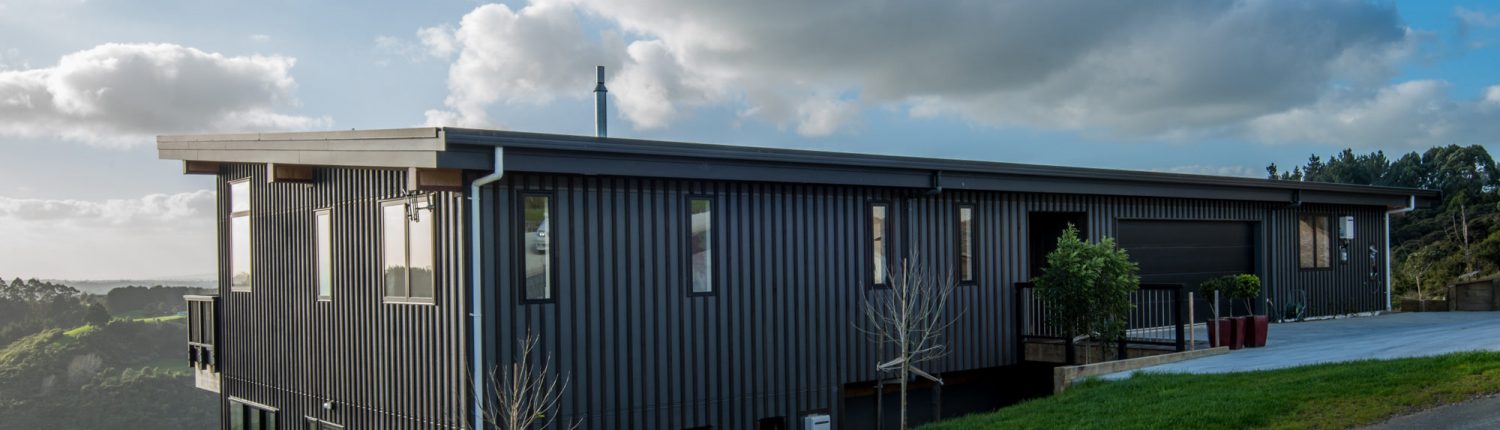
(1476, 295)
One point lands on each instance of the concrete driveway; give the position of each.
(1380, 337)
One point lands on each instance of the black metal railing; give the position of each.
(1158, 317)
(203, 332)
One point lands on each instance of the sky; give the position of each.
(1194, 86)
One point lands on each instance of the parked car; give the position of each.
(539, 243)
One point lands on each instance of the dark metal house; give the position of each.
(367, 277)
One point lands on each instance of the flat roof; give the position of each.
(473, 149)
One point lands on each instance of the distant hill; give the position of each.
(102, 286)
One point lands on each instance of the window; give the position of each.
(965, 254)
(1314, 241)
(879, 243)
(244, 415)
(407, 250)
(324, 247)
(700, 244)
(239, 235)
(536, 211)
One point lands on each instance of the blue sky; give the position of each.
(1196, 86)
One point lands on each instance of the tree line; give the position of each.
(1458, 239)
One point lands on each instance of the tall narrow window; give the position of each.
(1313, 242)
(965, 242)
(879, 243)
(700, 243)
(393, 248)
(407, 250)
(537, 242)
(324, 245)
(239, 235)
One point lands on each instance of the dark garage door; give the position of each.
(1189, 252)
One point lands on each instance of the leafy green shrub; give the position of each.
(1242, 286)
(1087, 287)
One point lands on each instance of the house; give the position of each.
(369, 279)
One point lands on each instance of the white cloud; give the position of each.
(260, 38)
(168, 233)
(1477, 18)
(1413, 114)
(1171, 69)
(529, 55)
(121, 94)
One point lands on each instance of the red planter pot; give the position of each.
(1219, 331)
(1255, 330)
(1236, 333)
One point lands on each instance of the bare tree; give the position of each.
(910, 317)
(526, 393)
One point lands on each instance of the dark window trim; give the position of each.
(713, 244)
(273, 412)
(317, 257)
(958, 244)
(869, 242)
(319, 424)
(406, 229)
(249, 236)
(1328, 234)
(520, 257)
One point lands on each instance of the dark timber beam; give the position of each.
(289, 173)
(419, 179)
(190, 167)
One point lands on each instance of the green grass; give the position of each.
(162, 318)
(1328, 396)
(81, 330)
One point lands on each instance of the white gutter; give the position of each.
(1410, 206)
(476, 281)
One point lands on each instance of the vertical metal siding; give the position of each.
(383, 365)
(778, 336)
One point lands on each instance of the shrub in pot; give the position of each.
(1220, 329)
(1246, 287)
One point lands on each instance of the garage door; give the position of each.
(1188, 252)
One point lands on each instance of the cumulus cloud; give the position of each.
(154, 209)
(1412, 114)
(1156, 68)
(108, 238)
(120, 94)
(1477, 18)
(527, 55)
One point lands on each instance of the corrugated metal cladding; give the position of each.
(778, 338)
(386, 366)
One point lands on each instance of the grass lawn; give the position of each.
(161, 318)
(1327, 396)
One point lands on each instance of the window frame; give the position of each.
(958, 244)
(713, 244)
(869, 245)
(520, 257)
(245, 407)
(319, 217)
(249, 234)
(1327, 236)
(406, 202)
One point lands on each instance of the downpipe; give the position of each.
(476, 281)
(1410, 206)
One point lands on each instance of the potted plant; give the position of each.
(1247, 287)
(1220, 328)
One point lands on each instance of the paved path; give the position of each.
(1471, 415)
(1379, 337)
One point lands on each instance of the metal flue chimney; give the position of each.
(601, 129)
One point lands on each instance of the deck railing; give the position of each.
(1158, 317)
